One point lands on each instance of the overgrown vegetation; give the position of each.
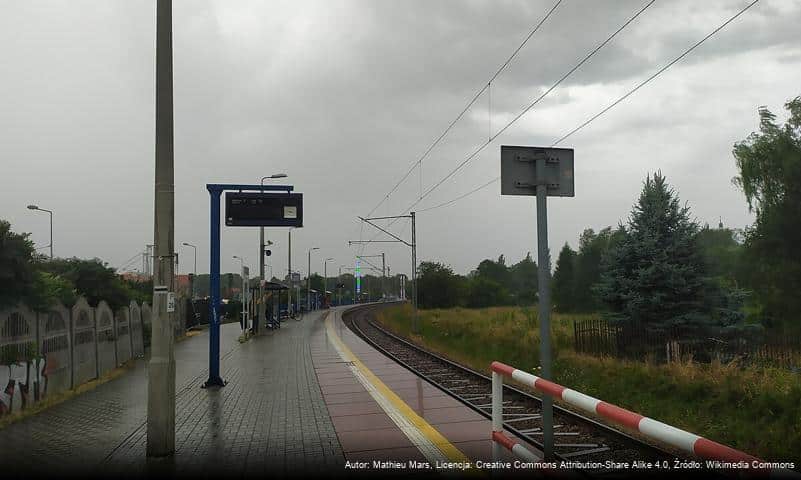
(492, 283)
(769, 163)
(755, 409)
(39, 282)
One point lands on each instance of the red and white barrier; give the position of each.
(689, 442)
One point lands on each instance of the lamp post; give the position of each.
(34, 207)
(289, 271)
(242, 293)
(339, 281)
(308, 282)
(194, 272)
(325, 276)
(260, 311)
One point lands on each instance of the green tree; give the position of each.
(769, 164)
(656, 274)
(486, 292)
(494, 270)
(438, 286)
(18, 272)
(564, 280)
(523, 276)
(93, 279)
(592, 249)
(722, 254)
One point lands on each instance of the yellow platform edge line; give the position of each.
(452, 453)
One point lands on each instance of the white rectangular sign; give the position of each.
(290, 211)
(170, 302)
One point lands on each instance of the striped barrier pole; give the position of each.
(499, 439)
(686, 441)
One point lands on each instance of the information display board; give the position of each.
(263, 209)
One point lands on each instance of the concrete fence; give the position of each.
(43, 353)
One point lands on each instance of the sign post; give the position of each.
(262, 206)
(542, 172)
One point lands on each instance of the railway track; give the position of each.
(576, 438)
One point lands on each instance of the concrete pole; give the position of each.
(543, 280)
(161, 369)
(339, 281)
(51, 234)
(308, 285)
(383, 276)
(244, 297)
(289, 271)
(194, 276)
(414, 275)
(260, 310)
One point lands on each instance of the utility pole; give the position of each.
(289, 271)
(412, 245)
(414, 275)
(383, 276)
(339, 282)
(325, 277)
(308, 282)
(161, 369)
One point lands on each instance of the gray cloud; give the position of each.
(344, 96)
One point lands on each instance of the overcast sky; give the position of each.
(344, 96)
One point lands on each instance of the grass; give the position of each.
(754, 409)
(52, 400)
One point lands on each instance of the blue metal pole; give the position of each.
(214, 285)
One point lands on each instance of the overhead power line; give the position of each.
(466, 108)
(128, 262)
(454, 200)
(531, 105)
(613, 104)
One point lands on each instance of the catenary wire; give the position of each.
(467, 107)
(530, 106)
(611, 105)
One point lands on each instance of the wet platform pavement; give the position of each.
(371, 426)
(311, 397)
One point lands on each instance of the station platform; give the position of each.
(309, 398)
(383, 412)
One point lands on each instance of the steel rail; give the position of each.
(621, 437)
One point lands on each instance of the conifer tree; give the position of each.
(564, 280)
(655, 274)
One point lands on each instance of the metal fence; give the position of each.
(43, 353)
(702, 344)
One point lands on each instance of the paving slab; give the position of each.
(269, 419)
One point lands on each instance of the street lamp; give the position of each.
(194, 273)
(289, 271)
(260, 312)
(34, 207)
(308, 282)
(325, 276)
